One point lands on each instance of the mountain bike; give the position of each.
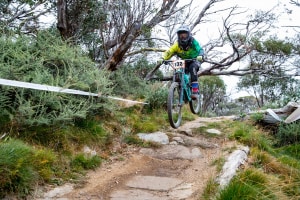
(180, 92)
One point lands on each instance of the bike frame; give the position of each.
(180, 93)
(184, 80)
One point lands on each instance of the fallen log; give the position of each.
(286, 114)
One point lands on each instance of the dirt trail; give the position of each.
(135, 175)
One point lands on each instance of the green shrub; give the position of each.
(21, 167)
(257, 117)
(84, 162)
(129, 79)
(67, 139)
(17, 174)
(43, 161)
(47, 60)
(291, 150)
(288, 133)
(157, 96)
(133, 139)
(127, 84)
(248, 135)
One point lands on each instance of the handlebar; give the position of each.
(169, 61)
(178, 63)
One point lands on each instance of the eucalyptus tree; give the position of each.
(121, 29)
(114, 31)
(274, 79)
(214, 93)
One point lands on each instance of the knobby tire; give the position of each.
(173, 105)
(195, 105)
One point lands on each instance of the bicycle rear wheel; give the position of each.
(195, 105)
(174, 106)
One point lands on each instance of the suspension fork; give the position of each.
(182, 87)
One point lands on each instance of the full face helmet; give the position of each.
(184, 36)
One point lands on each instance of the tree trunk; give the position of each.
(62, 21)
(134, 31)
(126, 43)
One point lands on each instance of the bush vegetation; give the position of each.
(42, 130)
(288, 133)
(22, 167)
(47, 60)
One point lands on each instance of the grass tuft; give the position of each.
(269, 163)
(84, 162)
(249, 184)
(210, 189)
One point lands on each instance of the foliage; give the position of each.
(84, 17)
(277, 87)
(257, 117)
(292, 150)
(136, 119)
(68, 139)
(129, 79)
(22, 167)
(249, 135)
(82, 161)
(288, 133)
(157, 96)
(212, 90)
(47, 60)
(274, 84)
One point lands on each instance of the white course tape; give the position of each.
(57, 89)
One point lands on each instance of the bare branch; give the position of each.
(295, 2)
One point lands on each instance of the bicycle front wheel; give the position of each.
(174, 106)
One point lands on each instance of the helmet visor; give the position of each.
(183, 36)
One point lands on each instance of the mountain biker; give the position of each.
(186, 47)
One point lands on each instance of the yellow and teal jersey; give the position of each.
(194, 51)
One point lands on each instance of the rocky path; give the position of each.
(179, 169)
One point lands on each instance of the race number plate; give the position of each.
(178, 64)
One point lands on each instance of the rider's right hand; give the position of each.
(160, 61)
(200, 58)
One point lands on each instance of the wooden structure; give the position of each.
(287, 114)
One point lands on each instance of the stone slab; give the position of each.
(173, 152)
(133, 195)
(153, 183)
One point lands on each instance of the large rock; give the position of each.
(173, 152)
(158, 137)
